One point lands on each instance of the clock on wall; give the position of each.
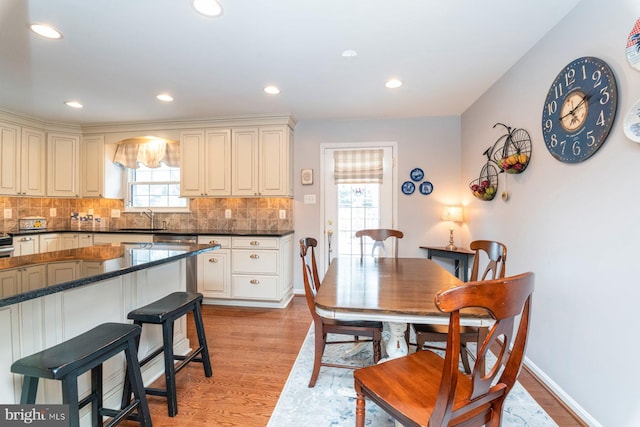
(579, 109)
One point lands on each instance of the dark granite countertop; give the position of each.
(195, 231)
(110, 260)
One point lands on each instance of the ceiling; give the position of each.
(117, 55)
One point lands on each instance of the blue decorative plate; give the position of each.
(416, 174)
(426, 187)
(408, 187)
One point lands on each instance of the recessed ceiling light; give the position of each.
(73, 104)
(46, 31)
(272, 90)
(207, 7)
(393, 83)
(349, 53)
(165, 97)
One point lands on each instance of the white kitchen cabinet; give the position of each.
(206, 160)
(85, 239)
(69, 240)
(26, 245)
(214, 268)
(63, 161)
(262, 161)
(50, 242)
(33, 161)
(61, 272)
(100, 177)
(22, 159)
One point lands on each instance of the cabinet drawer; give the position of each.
(224, 241)
(255, 243)
(258, 262)
(255, 287)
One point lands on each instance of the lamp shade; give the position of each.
(452, 213)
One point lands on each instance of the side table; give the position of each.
(458, 255)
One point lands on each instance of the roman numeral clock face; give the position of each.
(579, 110)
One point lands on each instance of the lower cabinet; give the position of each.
(247, 271)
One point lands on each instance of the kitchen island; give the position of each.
(50, 297)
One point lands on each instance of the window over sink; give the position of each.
(154, 188)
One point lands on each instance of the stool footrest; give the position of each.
(119, 415)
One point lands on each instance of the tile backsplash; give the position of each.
(206, 213)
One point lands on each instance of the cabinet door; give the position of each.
(62, 165)
(214, 277)
(191, 164)
(33, 163)
(26, 245)
(274, 161)
(49, 242)
(62, 272)
(9, 282)
(33, 277)
(217, 163)
(244, 143)
(9, 159)
(69, 241)
(85, 239)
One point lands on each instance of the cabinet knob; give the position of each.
(254, 256)
(213, 242)
(25, 239)
(213, 259)
(254, 243)
(254, 282)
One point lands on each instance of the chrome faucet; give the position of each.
(150, 215)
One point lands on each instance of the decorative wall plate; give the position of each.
(408, 187)
(426, 188)
(633, 46)
(631, 124)
(416, 174)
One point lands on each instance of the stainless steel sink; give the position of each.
(141, 229)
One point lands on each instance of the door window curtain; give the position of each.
(358, 166)
(148, 151)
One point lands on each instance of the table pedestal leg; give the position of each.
(393, 340)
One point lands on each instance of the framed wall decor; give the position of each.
(306, 176)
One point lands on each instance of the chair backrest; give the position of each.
(496, 253)
(379, 235)
(310, 272)
(504, 299)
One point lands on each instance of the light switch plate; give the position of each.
(310, 199)
(227, 213)
(53, 212)
(115, 213)
(283, 214)
(7, 214)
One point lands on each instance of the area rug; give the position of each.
(332, 403)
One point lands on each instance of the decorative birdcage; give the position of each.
(512, 151)
(485, 186)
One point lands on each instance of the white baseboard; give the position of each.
(561, 394)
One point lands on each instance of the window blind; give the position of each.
(358, 166)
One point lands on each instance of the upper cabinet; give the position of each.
(63, 165)
(206, 163)
(99, 177)
(23, 161)
(241, 162)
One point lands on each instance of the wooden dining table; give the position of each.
(394, 290)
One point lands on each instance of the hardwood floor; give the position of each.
(252, 351)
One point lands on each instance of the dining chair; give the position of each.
(496, 255)
(424, 388)
(379, 235)
(324, 326)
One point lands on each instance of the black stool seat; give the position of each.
(86, 352)
(164, 312)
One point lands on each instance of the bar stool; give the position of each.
(68, 360)
(164, 312)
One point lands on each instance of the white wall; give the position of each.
(432, 144)
(575, 226)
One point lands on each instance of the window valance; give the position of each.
(149, 151)
(358, 166)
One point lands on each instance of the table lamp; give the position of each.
(451, 214)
